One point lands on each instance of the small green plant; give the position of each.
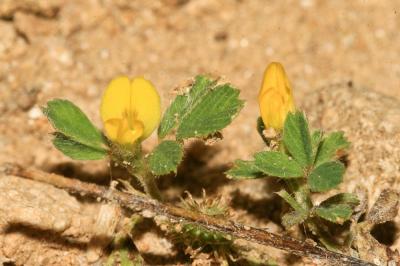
(130, 111)
(307, 161)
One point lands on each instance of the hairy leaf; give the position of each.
(316, 139)
(69, 120)
(244, 170)
(278, 164)
(335, 213)
(329, 147)
(341, 198)
(165, 158)
(205, 109)
(76, 150)
(326, 176)
(172, 116)
(297, 139)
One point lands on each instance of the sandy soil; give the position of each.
(71, 49)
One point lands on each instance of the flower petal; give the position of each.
(275, 77)
(146, 102)
(275, 97)
(115, 99)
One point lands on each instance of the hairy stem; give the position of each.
(301, 192)
(175, 215)
(148, 181)
(133, 161)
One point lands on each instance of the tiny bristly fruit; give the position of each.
(275, 97)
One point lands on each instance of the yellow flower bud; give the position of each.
(275, 97)
(130, 110)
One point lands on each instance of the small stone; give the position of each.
(35, 113)
(60, 225)
(148, 214)
(92, 255)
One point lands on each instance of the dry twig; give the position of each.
(174, 214)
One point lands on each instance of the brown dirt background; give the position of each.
(71, 49)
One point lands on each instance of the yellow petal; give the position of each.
(111, 127)
(118, 130)
(115, 99)
(271, 111)
(275, 97)
(147, 104)
(129, 134)
(130, 110)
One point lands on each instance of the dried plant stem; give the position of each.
(151, 207)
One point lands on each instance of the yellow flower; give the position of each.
(275, 97)
(130, 110)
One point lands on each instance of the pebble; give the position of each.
(35, 113)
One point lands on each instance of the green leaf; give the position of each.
(69, 120)
(329, 147)
(291, 201)
(244, 170)
(316, 139)
(215, 111)
(297, 139)
(165, 158)
(76, 150)
(335, 213)
(204, 110)
(278, 164)
(338, 208)
(172, 115)
(341, 198)
(293, 218)
(326, 176)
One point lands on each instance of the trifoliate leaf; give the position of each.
(297, 139)
(69, 120)
(76, 150)
(204, 110)
(335, 213)
(165, 158)
(293, 218)
(341, 198)
(215, 111)
(244, 170)
(278, 164)
(329, 147)
(291, 201)
(326, 176)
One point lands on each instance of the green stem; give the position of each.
(298, 186)
(133, 160)
(149, 184)
(301, 192)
